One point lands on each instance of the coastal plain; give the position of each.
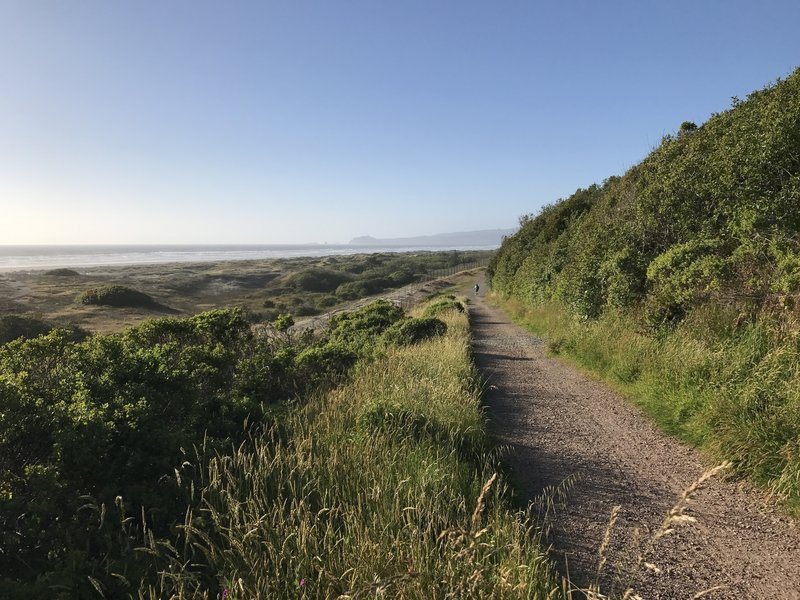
(263, 288)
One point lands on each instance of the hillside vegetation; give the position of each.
(95, 430)
(185, 457)
(680, 281)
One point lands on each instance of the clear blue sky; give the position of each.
(263, 122)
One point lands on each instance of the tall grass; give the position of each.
(732, 389)
(384, 487)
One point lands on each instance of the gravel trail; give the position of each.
(559, 423)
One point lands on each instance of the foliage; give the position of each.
(362, 328)
(62, 273)
(283, 322)
(414, 330)
(380, 488)
(709, 216)
(443, 305)
(362, 288)
(117, 296)
(681, 279)
(318, 279)
(93, 430)
(13, 327)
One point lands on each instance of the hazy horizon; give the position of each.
(353, 242)
(311, 122)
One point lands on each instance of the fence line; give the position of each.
(406, 300)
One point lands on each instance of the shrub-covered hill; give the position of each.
(92, 430)
(712, 214)
(679, 282)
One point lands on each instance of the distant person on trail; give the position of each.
(477, 287)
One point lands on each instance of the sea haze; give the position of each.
(32, 257)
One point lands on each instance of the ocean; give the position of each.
(31, 258)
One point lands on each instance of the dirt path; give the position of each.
(559, 423)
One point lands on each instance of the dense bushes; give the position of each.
(62, 273)
(443, 305)
(318, 280)
(362, 288)
(93, 430)
(117, 296)
(411, 331)
(87, 422)
(680, 281)
(13, 327)
(362, 328)
(710, 215)
(309, 288)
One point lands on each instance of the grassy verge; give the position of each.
(733, 391)
(384, 487)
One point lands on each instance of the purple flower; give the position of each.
(225, 593)
(302, 583)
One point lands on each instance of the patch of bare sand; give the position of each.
(558, 423)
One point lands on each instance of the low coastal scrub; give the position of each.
(118, 296)
(443, 305)
(312, 289)
(384, 487)
(14, 326)
(412, 331)
(118, 449)
(93, 430)
(62, 273)
(319, 279)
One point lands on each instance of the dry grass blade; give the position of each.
(606, 540)
(708, 591)
(476, 516)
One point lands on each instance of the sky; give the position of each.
(178, 121)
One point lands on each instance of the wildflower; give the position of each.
(225, 593)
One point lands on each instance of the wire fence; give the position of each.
(407, 296)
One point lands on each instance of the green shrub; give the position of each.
(401, 277)
(324, 365)
(361, 288)
(412, 331)
(13, 327)
(318, 279)
(283, 322)
(117, 296)
(62, 273)
(443, 305)
(360, 329)
(711, 215)
(305, 310)
(113, 416)
(327, 301)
